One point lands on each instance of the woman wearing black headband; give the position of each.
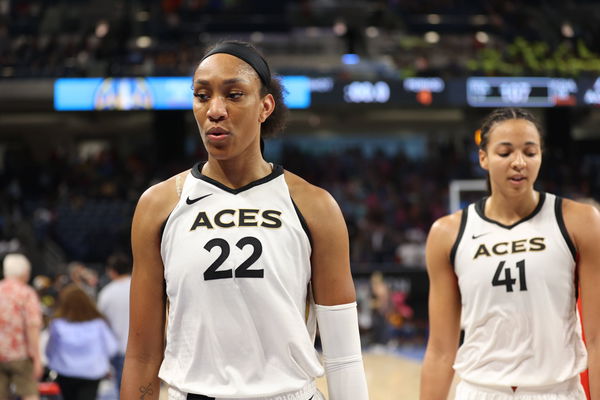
(240, 247)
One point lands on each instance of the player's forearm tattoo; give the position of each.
(146, 390)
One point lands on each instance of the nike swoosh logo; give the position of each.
(192, 201)
(480, 235)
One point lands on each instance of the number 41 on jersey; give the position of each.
(503, 276)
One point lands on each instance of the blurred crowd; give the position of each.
(58, 38)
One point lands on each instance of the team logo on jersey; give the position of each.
(516, 246)
(192, 201)
(242, 217)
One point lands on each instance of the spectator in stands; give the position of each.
(113, 302)
(46, 294)
(80, 345)
(83, 277)
(20, 323)
(381, 306)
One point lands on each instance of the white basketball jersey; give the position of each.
(518, 289)
(237, 270)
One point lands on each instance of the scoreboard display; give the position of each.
(590, 92)
(521, 92)
(409, 92)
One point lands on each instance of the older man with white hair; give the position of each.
(20, 324)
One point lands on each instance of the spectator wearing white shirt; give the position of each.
(113, 302)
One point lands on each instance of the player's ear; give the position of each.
(268, 105)
(483, 159)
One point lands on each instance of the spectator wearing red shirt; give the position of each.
(20, 324)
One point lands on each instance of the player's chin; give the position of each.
(218, 152)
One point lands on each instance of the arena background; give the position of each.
(385, 99)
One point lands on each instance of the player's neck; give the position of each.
(238, 172)
(511, 209)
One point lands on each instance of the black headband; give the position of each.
(247, 54)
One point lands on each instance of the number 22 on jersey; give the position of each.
(243, 271)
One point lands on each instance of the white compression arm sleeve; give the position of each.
(338, 327)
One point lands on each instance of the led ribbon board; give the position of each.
(150, 93)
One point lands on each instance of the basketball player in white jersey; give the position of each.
(504, 270)
(240, 247)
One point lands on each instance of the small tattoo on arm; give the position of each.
(146, 390)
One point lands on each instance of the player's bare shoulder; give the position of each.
(581, 209)
(582, 218)
(443, 234)
(447, 226)
(316, 204)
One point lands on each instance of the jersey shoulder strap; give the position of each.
(179, 180)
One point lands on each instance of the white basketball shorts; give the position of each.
(569, 390)
(308, 392)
